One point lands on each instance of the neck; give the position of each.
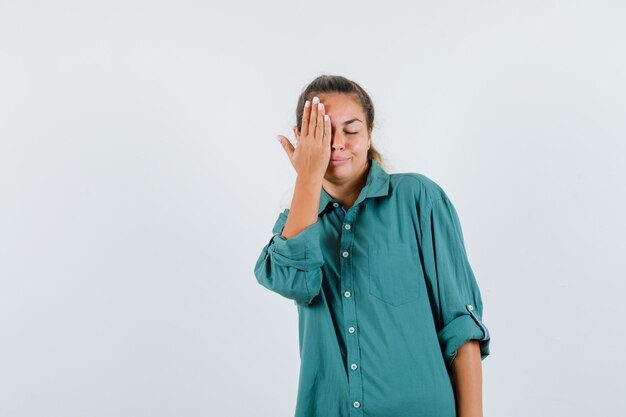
(348, 191)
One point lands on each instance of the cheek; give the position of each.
(361, 145)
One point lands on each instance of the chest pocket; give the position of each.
(395, 273)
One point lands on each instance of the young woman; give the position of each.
(389, 308)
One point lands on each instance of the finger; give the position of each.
(327, 130)
(319, 128)
(313, 117)
(287, 146)
(306, 113)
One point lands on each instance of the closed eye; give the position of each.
(352, 133)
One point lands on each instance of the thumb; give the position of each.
(287, 146)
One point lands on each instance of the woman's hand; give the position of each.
(312, 155)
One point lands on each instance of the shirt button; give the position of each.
(347, 226)
(356, 404)
(470, 307)
(353, 366)
(351, 329)
(347, 293)
(345, 254)
(335, 204)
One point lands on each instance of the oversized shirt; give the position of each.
(385, 297)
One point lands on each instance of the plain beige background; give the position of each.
(140, 179)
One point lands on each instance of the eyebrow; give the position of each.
(350, 121)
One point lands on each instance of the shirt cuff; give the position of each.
(302, 251)
(461, 330)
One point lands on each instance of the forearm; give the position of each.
(467, 374)
(304, 205)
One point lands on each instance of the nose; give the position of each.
(336, 143)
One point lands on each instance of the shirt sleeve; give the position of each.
(455, 297)
(292, 267)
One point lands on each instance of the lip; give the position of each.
(338, 161)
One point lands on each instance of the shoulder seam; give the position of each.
(415, 177)
(431, 204)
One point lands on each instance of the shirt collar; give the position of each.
(377, 184)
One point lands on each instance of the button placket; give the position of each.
(347, 278)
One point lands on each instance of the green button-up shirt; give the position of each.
(385, 297)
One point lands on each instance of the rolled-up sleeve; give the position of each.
(292, 267)
(454, 293)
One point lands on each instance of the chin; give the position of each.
(338, 173)
(332, 172)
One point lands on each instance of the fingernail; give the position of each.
(315, 100)
(326, 118)
(278, 139)
(307, 103)
(320, 106)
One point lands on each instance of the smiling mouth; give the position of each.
(338, 161)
